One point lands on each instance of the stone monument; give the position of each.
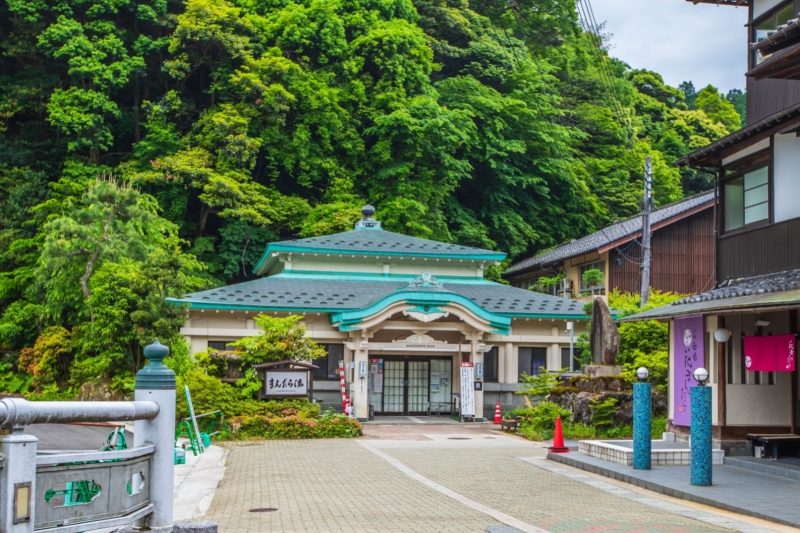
(604, 341)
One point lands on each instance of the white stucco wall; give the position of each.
(761, 405)
(203, 326)
(787, 177)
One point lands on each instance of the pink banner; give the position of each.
(688, 342)
(770, 354)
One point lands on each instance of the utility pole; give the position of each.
(646, 208)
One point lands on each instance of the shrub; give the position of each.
(543, 416)
(578, 431)
(656, 362)
(531, 433)
(539, 385)
(211, 394)
(615, 432)
(659, 427)
(603, 412)
(294, 427)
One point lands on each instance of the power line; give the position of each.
(541, 113)
(593, 36)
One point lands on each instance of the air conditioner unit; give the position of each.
(565, 284)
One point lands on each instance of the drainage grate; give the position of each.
(458, 438)
(264, 510)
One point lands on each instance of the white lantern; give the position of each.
(701, 376)
(642, 373)
(722, 335)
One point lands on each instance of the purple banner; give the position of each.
(688, 338)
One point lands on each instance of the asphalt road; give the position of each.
(72, 436)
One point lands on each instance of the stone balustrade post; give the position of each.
(156, 383)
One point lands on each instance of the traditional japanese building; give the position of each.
(406, 311)
(679, 230)
(744, 329)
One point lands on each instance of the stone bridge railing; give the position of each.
(70, 492)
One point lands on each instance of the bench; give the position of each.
(508, 425)
(438, 407)
(774, 444)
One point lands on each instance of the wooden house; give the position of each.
(682, 254)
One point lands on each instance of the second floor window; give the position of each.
(597, 265)
(745, 193)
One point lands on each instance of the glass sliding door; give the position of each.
(410, 384)
(418, 378)
(394, 387)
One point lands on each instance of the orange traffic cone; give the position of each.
(558, 440)
(497, 416)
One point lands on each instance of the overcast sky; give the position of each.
(680, 40)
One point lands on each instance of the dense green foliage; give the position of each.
(644, 343)
(151, 148)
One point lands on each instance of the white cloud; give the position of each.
(703, 43)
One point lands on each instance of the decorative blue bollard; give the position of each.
(642, 426)
(701, 436)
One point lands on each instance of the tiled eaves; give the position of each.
(769, 283)
(609, 234)
(381, 242)
(290, 293)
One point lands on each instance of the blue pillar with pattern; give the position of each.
(642, 425)
(701, 436)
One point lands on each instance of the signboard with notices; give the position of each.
(467, 389)
(285, 379)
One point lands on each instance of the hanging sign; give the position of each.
(689, 355)
(770, 354)
(467, 389)
(280, 383)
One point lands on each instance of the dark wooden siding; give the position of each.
(683, 258)
(767, 97)
(761, 251)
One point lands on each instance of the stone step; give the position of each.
(765, 466)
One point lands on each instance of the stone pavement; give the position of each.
(430, 478)
(734, 489)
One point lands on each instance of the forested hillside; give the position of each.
(151, 148)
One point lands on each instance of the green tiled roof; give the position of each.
(378, 242)
(332, 293)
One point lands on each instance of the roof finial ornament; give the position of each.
(368, 222)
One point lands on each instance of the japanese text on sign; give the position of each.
(286, 383)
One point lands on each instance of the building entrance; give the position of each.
(410, 384)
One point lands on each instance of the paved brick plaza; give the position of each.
(357, 485)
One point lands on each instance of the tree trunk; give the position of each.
(201, 226)
(85, 281)
(137, 135)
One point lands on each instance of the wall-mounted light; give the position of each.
(701, 376)
(722, 335)
(22, 502)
